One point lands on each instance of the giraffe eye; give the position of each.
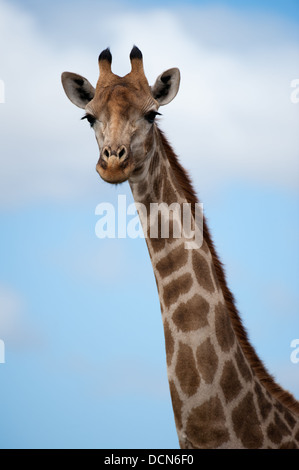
(90, 118)
(150, 116)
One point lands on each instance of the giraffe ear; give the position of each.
(166, 86)
(77, 89)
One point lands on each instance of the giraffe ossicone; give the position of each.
(222, 395)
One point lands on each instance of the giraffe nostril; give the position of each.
(122, 152)
(106, 153)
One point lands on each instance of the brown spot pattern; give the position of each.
(242, 365)
(175, 183)
(214, 274)
(191, 315)
(289, 445)
(160, 179)
(146, 201)
(172, 262)
(281, 425)
(246, 423)
(224, 331)
(205, 247)
(207, 360)
(186, 370)
(176, 404)
(169, 343)
(264, 405)
(149, 142)
(157, 187)
(154, 163)
(142, 188)
(169, 196)
(230, 382)
(206, 427)
(172, 291)
(289, 419)
(278, 406)
(274, 434)
(157, 244)
(202, 271)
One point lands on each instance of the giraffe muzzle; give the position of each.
(115, 165)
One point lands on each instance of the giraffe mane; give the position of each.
(184, 181)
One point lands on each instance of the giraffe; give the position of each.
(222, 395)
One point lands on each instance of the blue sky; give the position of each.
(288, 8)
(80, 317)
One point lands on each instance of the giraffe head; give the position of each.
(122, 111)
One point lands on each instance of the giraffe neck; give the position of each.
(217, 396)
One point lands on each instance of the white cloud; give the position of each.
(233, 117)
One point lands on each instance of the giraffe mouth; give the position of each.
(113, 170)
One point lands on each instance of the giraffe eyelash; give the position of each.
(150, 116)
(90, 118)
